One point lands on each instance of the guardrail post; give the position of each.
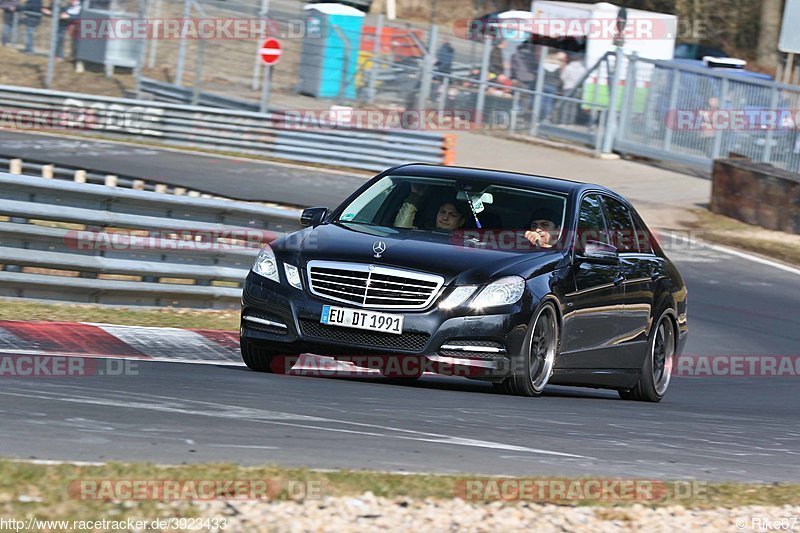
(15, 166)
(613, 97)
(138, 185)
(47, 171)
(111, 180)
(80, 176)
(161, 188)
(179, 191)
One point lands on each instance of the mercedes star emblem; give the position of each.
(379, 247)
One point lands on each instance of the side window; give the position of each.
(591, 223)
(647, 242)
(620, 226)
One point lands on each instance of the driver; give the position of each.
(449, 215)
(543, 229)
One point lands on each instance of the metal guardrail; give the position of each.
(92, 243)
(272, 134)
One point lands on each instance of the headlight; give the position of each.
(292, 275)
(458, 296)
(266, 265)
(504, 291)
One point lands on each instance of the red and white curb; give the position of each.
(172, 345)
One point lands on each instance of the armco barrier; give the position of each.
(91, 243)
(270, 135)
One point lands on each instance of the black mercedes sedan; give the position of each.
(516, 279)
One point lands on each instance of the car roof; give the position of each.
(500, 177)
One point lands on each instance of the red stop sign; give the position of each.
(270, 51)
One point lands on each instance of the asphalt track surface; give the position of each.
(714, 428)
(239, 178)
(710, 428)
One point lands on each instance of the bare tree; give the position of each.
(771, 13)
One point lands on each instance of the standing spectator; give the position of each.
(442, 67)
(497, 65)
(552, 81)
(523, 66)
(32, 13)
(9, 8)
(444, 57)
(68, 20)
(572, 74)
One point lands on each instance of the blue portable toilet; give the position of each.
(329, 61)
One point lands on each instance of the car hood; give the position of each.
(437, 253)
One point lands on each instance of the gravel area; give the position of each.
(369, 513)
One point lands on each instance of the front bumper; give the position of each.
(287, 320)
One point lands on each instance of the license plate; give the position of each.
(355, 318)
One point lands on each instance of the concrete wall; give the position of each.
(757, 194)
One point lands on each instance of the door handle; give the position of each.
(618, 279)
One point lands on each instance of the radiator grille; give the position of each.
(412, 342)
(373, 286)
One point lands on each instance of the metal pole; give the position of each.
(197, 86)
(51, 55)
(376, 54)
(613, 92)
(187, 11)
(537, 96)
(140, 57)
(151, 60)
(629, 96)
(787, 74)
(767, 156)
(481, 100)
(262, 12)
(512, 124)
(264, 104)
(426, 77)
(673, 101)
(717, 146)
(15, 28)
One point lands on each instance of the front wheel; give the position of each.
(534, 366)
(657, 370)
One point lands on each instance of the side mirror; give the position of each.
(599, 253)
(313, 216)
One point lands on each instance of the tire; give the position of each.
(261, 360)
(657, 369)
(533, 367)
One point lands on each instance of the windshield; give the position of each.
(447, 206)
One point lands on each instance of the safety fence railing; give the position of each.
(287, 136)
(693, 115)
(92, 243)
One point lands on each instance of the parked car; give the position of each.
(697, 51)
(523, 280)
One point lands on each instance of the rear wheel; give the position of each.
(534, 366)
(262, 360)
(657, 369)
